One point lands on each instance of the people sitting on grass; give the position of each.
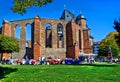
(54, 60)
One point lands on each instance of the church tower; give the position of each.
(81, 20)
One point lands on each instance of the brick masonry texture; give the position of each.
(75, 37)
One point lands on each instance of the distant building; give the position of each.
(65, 37)
(96, 47)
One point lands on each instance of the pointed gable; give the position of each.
(67, 15)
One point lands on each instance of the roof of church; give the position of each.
(5, 21)
(80, 16)
(91, 37)
(67, 15)
(88, 27)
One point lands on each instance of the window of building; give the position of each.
(48, 36)
(60, 40)
(28, 34)
(17, 32)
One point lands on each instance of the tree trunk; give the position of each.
(1, 56)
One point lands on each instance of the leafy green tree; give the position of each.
(117, 28)
(109, 41)
(20, 6)
(8, 44)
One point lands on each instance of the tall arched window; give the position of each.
(48, 35)
(17, 32)
(60, 40)
(28, 35)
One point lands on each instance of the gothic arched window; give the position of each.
(17, 32)
(48, 35)
(60, 40)
(28, 35)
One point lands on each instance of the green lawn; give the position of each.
(60, 73)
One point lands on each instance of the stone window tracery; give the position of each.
(60, 40)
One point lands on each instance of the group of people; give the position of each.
(23, 61)
(47, 60)
(7, 61)
(54, 60)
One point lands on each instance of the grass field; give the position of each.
(60, 73)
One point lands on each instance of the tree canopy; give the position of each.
(20, 6)
(117, 25)
(109, 41)
(8, 44)
(117, 28)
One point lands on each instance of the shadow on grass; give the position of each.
(5, 71)
(100, 65)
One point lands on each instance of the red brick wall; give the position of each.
(6, 29)
(69, 35)
(73, 46)
(70, 46)
(82, 22)
(37, 23)
(36, 50)
(48, 38)
(86, 39)
(77, 51)
(80, 42)
(36, 46)
(71, 43)
(71, 52)
(87, 48)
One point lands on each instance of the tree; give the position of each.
(8, 44)
(20, 6)
(117, 28)
(109, 41)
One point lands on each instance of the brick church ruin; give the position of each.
(65, 37)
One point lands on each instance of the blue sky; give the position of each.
(100, 14)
